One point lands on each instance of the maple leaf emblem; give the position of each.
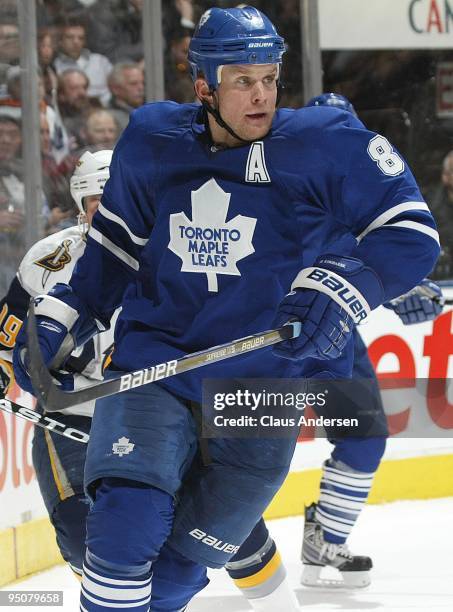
(123, 447)
(209, 244)
(204, 18)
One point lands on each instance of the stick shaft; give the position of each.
(42, 420)
(54, 399)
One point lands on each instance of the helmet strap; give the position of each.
(214, 111)
(82, 225)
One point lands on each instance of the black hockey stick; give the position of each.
(41, 420)
(54, 399)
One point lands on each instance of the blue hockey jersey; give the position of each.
(200, 244)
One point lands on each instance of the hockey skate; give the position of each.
(319, 556)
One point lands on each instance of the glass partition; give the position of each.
(91, 77)
(12, 202)
(406, 95)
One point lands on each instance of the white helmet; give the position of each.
(90, 175)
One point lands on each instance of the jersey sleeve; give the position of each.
(13, 310)
(377, 197)
(121, 226)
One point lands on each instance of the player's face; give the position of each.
(246, 100)
(91, 203)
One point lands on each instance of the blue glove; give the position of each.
(329, 299)
(61, 322)
(51, 337)
(423, 303)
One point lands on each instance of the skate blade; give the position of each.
(311, 577)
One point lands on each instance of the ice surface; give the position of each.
(411, 544)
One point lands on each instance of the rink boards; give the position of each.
(418, 461)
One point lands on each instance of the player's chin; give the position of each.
(256, 129)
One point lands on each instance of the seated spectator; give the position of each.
(178, 83)
(73, 54)
(127, 84)
(9, 50)
(13, 107)
(101, 130)
(46, 54)
(12, 199)
(62, 211)
(74, 104)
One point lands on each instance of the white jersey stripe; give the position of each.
(338, 480)
(113, 248)
(89, 572)
(337, 519)
(351, 497)
(330, 484)
(118, 593)
(112, 217)
(108, 605)
(390, 214)
(357, 475)
(419, 227)
(351, 506)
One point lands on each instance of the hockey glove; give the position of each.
(329, 299)
(423, 303)
(62, 323)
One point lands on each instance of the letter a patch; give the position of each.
(256, 171)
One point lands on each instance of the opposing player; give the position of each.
(210, 216)
(59, 461)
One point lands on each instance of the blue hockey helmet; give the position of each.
(333, 99)
(233, 36)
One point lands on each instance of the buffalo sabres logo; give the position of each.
(55, 261)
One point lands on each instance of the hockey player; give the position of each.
(210, 216)
(348, 474)
(59, 461)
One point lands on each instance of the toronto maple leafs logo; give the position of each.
(122, 447)
(209, 244)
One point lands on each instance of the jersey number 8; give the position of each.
(381, 151)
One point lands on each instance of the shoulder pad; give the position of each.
(51, 261)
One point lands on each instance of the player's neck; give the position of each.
(221, 138)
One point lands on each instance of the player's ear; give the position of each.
(202, 90)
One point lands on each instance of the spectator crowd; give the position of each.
(91, 77)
